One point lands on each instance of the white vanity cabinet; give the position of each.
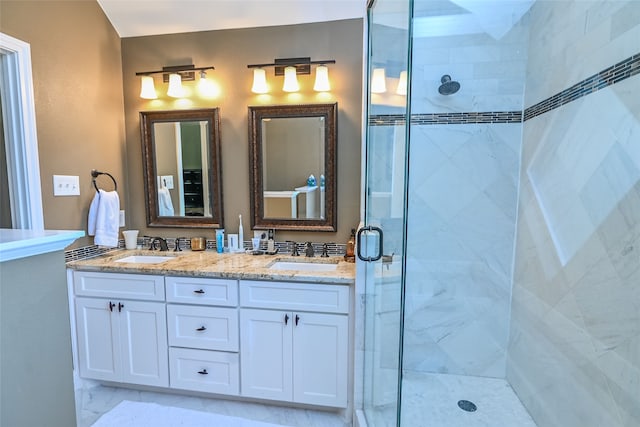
(121, 327)
(202, 323)
(294, 342)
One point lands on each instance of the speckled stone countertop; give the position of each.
(215, 265)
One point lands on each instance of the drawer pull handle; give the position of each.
(203, 372)
(120, 307)
(297, 319)
(111, 305)
(201, 328)
(286, 319)
(199, 291)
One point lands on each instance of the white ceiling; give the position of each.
(133, 18)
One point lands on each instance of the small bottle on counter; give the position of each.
(350, 255)
(271, 244)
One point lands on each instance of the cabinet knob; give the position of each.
(201, 328)
(286, 319)
(111, 305)
(120, 307)
(203, 372)
(199, 291)
(297, 319)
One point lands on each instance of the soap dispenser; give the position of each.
(350, 255)
(271, 244)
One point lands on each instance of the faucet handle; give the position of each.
(294, 248)
(177, 248)
(325, 251)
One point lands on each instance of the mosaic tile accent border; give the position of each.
(448, 118)
(86, 252)
(607, 77)
(284, 248)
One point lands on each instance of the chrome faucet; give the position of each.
(163, 244)
(177, 244)
(308, 252)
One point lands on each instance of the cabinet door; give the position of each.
(265, 354)
(320, 349)
(143, 337)
(98, 340)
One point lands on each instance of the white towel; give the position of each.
(165, 206)
(104, 218)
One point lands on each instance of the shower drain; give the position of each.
(466, 405)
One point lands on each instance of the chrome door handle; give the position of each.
(380, 239)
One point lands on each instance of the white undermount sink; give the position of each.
(303, 266)
(145, 259)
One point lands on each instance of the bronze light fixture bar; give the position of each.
(302, 65)
(186, 72)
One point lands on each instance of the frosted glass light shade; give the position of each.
(147, 88)
(259, 81)
(402, 84)
(207, 87)
(175, 86)
(290, 80)
(322, 79)
(378, 81)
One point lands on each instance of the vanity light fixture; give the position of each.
(147, 88)
(290, 80)
(378, 81)
(402, 84)
(174, 75)
(322, 79)
(259, 81)
(175, 86)
(290, 68)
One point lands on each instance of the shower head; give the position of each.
(448, 86)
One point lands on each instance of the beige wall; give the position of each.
(230, 51)
(77, 80)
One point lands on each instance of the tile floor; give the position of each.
(93, 400)
(431, 400)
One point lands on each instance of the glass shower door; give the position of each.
(381, 243)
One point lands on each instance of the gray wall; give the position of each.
(36, 372)
(574, 351)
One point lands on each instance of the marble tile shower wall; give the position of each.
(462, 213)
(463, 201)
(574, 348)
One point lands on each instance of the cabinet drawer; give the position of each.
(210, 328)
(203, 370)
(118, 285)
(294, 296)
(191, 290)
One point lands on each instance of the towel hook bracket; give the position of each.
(95, 173)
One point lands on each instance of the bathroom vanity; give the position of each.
(226, 324)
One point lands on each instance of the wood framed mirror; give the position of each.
(182, 168)
(293, 167)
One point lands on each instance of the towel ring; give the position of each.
(95, 174)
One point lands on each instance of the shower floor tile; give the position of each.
(431, 400)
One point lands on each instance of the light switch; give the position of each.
(66, 185)
(167, 181)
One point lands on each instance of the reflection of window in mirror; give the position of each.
(293, 151)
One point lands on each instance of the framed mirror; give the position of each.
(182, 168)
(293, 166)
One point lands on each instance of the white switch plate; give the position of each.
(66, 185)
(121, 218)
(167, 180)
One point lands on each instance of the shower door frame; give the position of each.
(372, 265)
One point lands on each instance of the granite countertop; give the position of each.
(215, 265)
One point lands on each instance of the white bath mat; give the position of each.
(144, 414)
